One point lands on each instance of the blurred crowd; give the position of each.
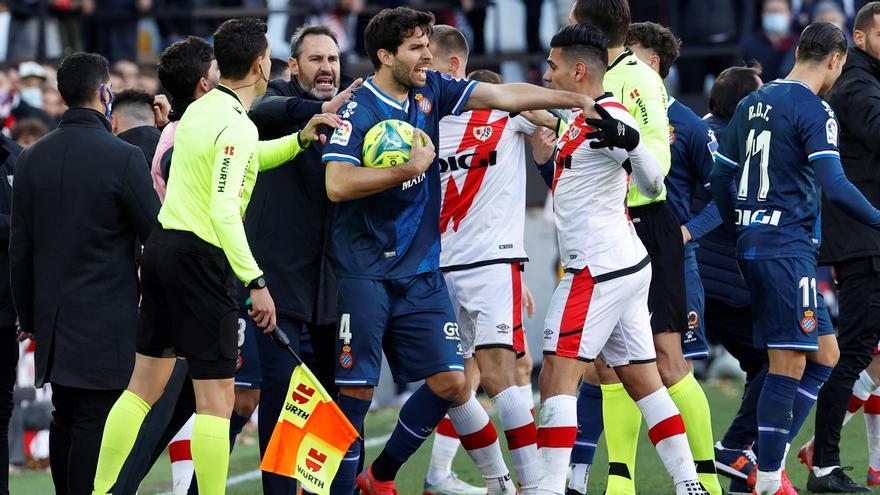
(130, 33)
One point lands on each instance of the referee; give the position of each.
(189, 307)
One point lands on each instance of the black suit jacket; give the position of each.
(9, 152)
(289, 216)
(145, 137)
(82, 200)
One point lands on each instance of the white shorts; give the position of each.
(487, 301)
(610, 318)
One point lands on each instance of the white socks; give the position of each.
(443, 451)
(667, 433)
(181, 459)
(555, 439)
(519, 428)
(478, 436)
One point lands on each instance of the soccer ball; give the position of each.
(387, 144)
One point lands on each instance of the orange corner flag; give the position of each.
(311, 435)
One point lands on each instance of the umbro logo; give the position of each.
(548, 332)
(503, 327)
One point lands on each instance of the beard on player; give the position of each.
(410, 74)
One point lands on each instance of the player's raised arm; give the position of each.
(347, 181)
(519, 97)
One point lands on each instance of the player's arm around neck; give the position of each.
(519, 97)
(346, 181)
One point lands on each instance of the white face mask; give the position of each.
(775, 23)
(33, 96)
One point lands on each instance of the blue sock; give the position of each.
(355, 410)
(236, 424)
(589, 417)
(775, 406)
(743, 428)
(418, 418)
(815, 375)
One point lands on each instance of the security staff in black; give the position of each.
(83, 200)
(852, 248)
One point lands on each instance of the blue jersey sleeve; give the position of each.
(452, 94)
(819, 130)
(346, 142)
(703, 147)
(728, 147)
(722, 180)
(840, 191)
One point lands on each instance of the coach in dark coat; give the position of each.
(852, 248)
(82, 201)
(288, 227)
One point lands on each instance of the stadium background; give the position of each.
(34, 34)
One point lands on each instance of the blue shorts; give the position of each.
(788, 311)
(693, 340)
(248, 373)
(411, 319)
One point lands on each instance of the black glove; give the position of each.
(611, 133)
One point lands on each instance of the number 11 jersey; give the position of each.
(773, 138)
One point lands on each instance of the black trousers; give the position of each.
(858, 286)
(8, 362)
(165, 419)
(731, 326)
(75, 436)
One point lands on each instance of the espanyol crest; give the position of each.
(483, 133)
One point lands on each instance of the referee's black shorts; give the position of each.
(188, 307)
(660, 232)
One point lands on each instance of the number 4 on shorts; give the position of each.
(345, 328)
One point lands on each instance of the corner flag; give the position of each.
(311, 435)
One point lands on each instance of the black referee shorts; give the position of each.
(660, 232)
(188, 307)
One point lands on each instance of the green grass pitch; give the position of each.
(651, 478)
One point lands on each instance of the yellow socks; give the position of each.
(623, 420)
(120, 432)
(210, 453)
(694, 408)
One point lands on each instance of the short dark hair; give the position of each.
(449, 40)
(80, 75)
(612, 17)
(136, 102)
(277, 69)
(655, 37)
(865, 17)
(183, 64)
(28, 127)
(299, 37)
(237, 43)
(387, 30)
(486, 76)
(584, 43)
(819, 40)
(731, 86)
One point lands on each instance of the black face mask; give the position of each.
(108, 106)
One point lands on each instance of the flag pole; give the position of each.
(280, 338)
